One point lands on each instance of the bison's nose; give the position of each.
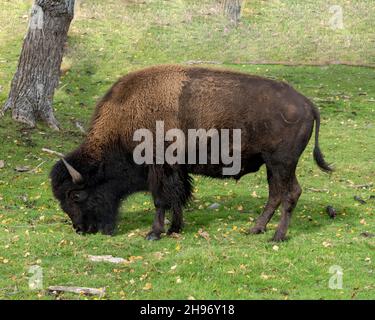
(92, 229)
(107, 229)
(79, 228)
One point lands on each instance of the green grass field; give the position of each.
(213, 258)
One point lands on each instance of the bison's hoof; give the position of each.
(257, 230)
(278, 237)
(173, 230)
(152, 236)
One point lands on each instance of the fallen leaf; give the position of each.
(158, 255)
(254, 195)
(148, 286)
(175, 235)
(135, 258)
(143, 276)
(2, 164)
(204, 234)
(327, 244)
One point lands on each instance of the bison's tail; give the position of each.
(318, 155)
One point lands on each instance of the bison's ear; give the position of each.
(78, 196)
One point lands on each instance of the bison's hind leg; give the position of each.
(284, 189)
(281, 173)
(274, 199)
(171, 188)
(289, 200)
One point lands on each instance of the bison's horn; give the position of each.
(76, 176)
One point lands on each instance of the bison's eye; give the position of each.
(78, 196)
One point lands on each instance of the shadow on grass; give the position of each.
(206, 218)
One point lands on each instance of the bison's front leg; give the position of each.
(171, 189)
(158, 225)
(177, 221)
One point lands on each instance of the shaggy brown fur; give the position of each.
(137, 101)
(276, 123)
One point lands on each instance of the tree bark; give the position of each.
(38, 71)
(232, 9)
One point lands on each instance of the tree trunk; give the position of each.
(38, 71)
(232, 9)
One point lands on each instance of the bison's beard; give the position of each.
(102, 215)
(98, 214)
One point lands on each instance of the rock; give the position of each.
(22, 169)
(77, 290)
(331, 212)
(107, 258)
(2, 164)
(80, 127)
(215, 205)
(359, 199)
(367, 234)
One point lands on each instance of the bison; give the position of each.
(276, 124)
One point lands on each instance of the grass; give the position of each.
(231, 264)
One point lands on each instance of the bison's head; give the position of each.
(85, 193)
